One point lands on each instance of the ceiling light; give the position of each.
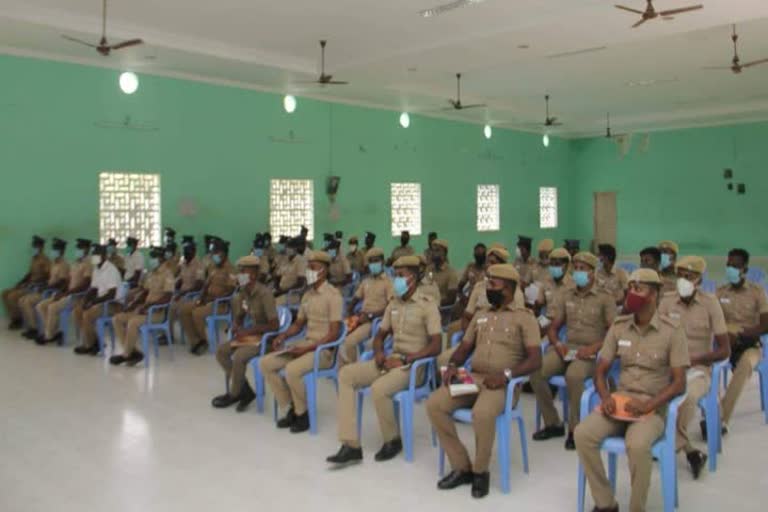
(444, 8)
(289, 103)
(129, 82)
(545, 140)
(487, 131)
(405, 120)
(649, 83)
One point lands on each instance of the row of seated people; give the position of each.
(501, 335)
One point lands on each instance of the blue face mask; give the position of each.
(169, 255)
(79, 253)
(733, 275)
(581, 278)
(666, 260)
(154, 263)
(279, 247)
(55, 254)
(401, 286)
(555, 272)
(216, 259)
(111, 249)
(375, 268)
(258, 252)
(332, 253)
(129, 250)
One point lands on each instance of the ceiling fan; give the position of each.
(650, 13)
(457, 104)
(736, 66)
(104, 48)
(608, 132)
(550, 121)
(325, 79)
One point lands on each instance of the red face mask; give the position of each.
(634, 302)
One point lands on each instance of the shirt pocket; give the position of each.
(652, 358)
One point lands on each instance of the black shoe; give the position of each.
(15, 324)
(30, 334)
(58, 338)
(222, 401)
(301, 424)
(389, 450)
(246, 397)
(724, 430)
(480, 484)
(41, 340)
(526, 389)
(549, 433)
(570, 444)
(454, 479)
(609, 509)
(199, 348)
(288, 420)
(94, 350)
(134, 358)
(346, 455)
(697, 460)
(81, 350)
(116, 360)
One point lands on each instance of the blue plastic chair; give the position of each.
(708, 285)
(150, 329)
(710, 409)
(663, 450)
(756, 275)
(66, 314)
(311, 378)
(628, 266)
(762, 373)
(104, 324)
(220, 314)
(349, 289)
(556, 380)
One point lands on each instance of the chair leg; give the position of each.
(762, 371)
(274, 410)
(582, 485)
(360, 398)
(64, 325)
(145, 345)
(713, 432)
(211, 328)
(440, 461)
(100, 336)
(523, 443)
(668, 481)
(310, 384)
(566, 410)
(169, 335)
(612, 471)
(538, 417)
(258, 382)
(406, 431)
(502, 441)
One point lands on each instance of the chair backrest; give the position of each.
(756, 275)
(284, 318)
(456, 338)
(708, 285)
(628, 266)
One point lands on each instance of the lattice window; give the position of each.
(488, 208)
(291, 205)
(406, 208)
(547, 207)
(129, 205)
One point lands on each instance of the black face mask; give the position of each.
(437, 260)
(404, 241)
(188, 255)
(480, 259)
(495, 297)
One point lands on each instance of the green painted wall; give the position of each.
(675, 190)
(213, 147)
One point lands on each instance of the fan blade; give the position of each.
(126, 44)
(713, 68)
(336, 82)
(670, 12)
(754, 63)
(474, 105)
(628, 9)
(639, 23)
(80, 41)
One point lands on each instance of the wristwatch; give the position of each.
(508, 374)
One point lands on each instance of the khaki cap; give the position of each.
(442, 243)
(408, 261)
(560, 254)
(645, 275)
(669, 244)
(500, 253)
(248, 261)
(498, 245)
(320, 256)
(504, 271)
(373, 252)
(692, 263)
(586, 257)
(546, 245)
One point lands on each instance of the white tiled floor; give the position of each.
(76, 434)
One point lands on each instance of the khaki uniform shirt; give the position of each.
(401, 251)
(702, 319)
(134, 263)
(221, 280)
(207, 263)
(159, 282)
(587, 314)
(259, 304)
(356, 261)
(445, 278)
(525, 269)
(472, 275)
(502, 338)
(59, 271)
(549, 291)
(647, 354)
(39, 268)
(412, 322)
(668, 281)
(375, 292)
(614, 282)
(190, 273)
(742, 306)
(428, 287)
(339, 269)
(319, 307)
(540, 273)
(478, 300)
(80, 273)
(292, 271)
(118, 261)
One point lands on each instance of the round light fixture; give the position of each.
(129, 82)
(405, 120)
(545, 140)
(487, 131)
(289, 103)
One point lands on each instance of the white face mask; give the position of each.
(243, 279)
(685, 288)
(353, 248)
(518, 253)
(95, 260)
(312, 276)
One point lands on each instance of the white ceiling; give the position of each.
(398, 60)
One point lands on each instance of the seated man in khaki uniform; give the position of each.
(220, 283)
(573, 246)
(134, 262)
(375, 292)
(473, 272)
(541, 269)
(57, 280)
(105, 281)
(587, 312)
(172, 258)
(558, 282)
(414, 323)
(702, 318)
(78, 281)
(404, 249)
(669, 251)
(443, 274)
(157, 289)
(114, 256)
(191, 277)
(746, 314)
(320, 311)
(256, 302)
(524, 264)
(610, 277)
(431, 237)
(340, 271)
(427, 285)
(653, 353)
(292, 275)
(37, 275)
(504, 343)
(356, 257)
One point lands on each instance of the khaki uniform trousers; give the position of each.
(349, 347)
(50, 310)
(741, 374)
(638, 437)
(88, 319)
(234, 361)
(27, 305)
(696, 388)
(383, 387)
(193, 322)
(451, 329)
(11, 298)
(127, 328)
(290, 390)
(486, 406)
(576, 372)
